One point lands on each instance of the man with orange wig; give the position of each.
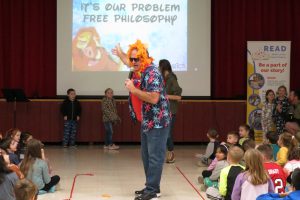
(148, 86)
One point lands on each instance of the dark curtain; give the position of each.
(234, 22)
(28, 46)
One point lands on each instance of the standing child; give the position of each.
(36, 169)
(245, 133)
(110, 117)
(211, 148)
(71, 111)
(254, 181)
(267, 113)
(292, 164)
(281, 108)
(272, 139)
(274, 170)
(287, 143)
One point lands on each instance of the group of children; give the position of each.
(240, 169)
(24, 169)
(71, 111)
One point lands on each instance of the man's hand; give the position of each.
(65, 118)
(78, 118)
(129, 85)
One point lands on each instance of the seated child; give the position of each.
(25, 137)
(7, 181)
(10, 146)
(229, 173)
(36, 169)
(25, 190)
(274, 170)
(12, 167)
(245, 133)
(254, 181)
(294, 195)
(232, 140)
(287, 143)
(272, 139)
(248, 144)
(292, 164)
(221, 156)
(210, 152)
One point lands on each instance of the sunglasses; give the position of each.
(134, 59)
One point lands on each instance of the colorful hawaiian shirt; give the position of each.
(154, 115)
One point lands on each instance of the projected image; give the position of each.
(99, 25)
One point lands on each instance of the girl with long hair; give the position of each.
(35, 168)
(254, 179)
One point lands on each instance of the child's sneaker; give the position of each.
(52, 189)
(42, 192)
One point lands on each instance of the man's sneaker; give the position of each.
(141, 192)
(65, 146)
(170, 157)
(105, 147)
(146, 196)
(113, 147)
(73, 146)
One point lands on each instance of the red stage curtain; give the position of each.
(28, 42)
(234, 22)
(28, 46)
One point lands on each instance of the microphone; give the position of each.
(130, 73)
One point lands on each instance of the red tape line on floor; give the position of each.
(74, 181)
(190, 183)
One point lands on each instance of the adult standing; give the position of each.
(156, 117)
(173, 91)
(293, 126)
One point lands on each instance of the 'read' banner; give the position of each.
(268, 67)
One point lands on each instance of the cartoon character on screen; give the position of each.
(88, 54)
(135, 104)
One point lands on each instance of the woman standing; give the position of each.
(173, 91)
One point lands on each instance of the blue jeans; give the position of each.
(170, 143)
(70, 129)
(153, 150)
(108, 133)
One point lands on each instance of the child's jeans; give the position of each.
(108, 133)
(70, 129)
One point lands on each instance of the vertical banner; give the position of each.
(268, 67)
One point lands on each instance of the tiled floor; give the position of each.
(117, 174)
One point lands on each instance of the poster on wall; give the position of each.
(268, 67)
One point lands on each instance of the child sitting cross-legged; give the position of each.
(212, 180)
